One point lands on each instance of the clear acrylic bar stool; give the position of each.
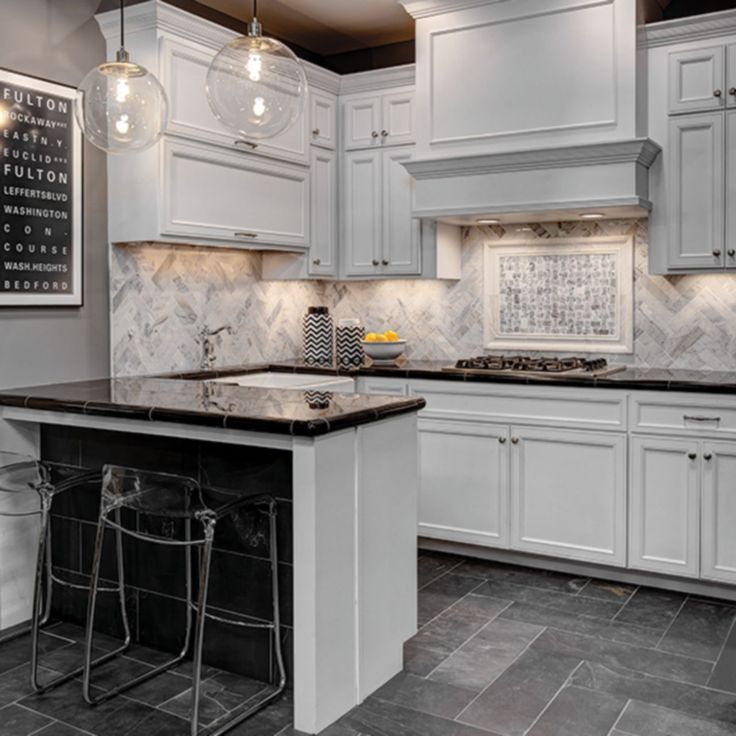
(22, 474)
(176, 497)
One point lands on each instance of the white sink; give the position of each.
(295, 381)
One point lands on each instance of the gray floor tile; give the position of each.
(581, 624)
(546, 579)
(579, 712)
(441, 594)
(17, 721)
(482, 659)
(644, 719)
(18, 651)
(514, 701)
(430, 567)
(435, 698)
(15, 684)
(61, 729)
(695, 701)
(724, 673)
(215, 702)
(419, 661)
(607, 590)
(700, 629)
(160, 688)
(272, 720)
(652, 607)
(614, 654)
(548, 599)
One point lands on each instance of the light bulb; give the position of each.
(122, 90)
(122, 125)
(254, 66)
(259, 106)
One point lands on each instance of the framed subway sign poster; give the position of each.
(40, 193)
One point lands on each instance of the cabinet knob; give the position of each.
(249, 144)
(732, 91)
(692, 455)
(717, 93)
(246, 235)
(317, 261)
(374, 134)
(502, 440)
(376, 262)
(385, 261)
(515, 440)
(716, 252)
(731, 252)
(384, 134)
(708, 456)
(315, 132)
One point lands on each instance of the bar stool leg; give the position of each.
(42, 563)
(273, 544)
(121, 579)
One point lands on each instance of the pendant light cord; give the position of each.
(122, 24)
(255, 8)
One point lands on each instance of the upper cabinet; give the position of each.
(322, 119)
(377, 120)
(697, 79)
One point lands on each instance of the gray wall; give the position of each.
(59, 40)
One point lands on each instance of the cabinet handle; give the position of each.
(716, 252)
(246, 235)
(502, 440)
(732, 91)
(717, 93)
(374, 134)
(692, 455)
(515, 440)
(317, 261)
(708, 456)
(250, 144)
(315, 132)
(376, 262)
(700, 418)
(384, 134)
(385, 262)
(731, 253)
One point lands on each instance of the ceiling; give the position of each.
(327, 27)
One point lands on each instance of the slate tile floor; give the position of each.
(501, 651)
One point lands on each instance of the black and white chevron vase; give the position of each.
(350, 345)
(318, 336)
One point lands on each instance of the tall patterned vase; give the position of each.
(318, 336)
(350, 334)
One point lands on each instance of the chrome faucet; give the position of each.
(208, 344)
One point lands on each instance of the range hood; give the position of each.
(543, 184)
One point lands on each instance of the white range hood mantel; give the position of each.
(542, 182)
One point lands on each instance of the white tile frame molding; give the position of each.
(621, 339)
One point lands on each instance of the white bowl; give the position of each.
(384, 352)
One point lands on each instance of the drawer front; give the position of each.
(660, 413)
(557, 407)
(210, 193)
(382, 386)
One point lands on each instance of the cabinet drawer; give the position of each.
(211, 193)
(382, 386)
(693, 416)
(561, 407)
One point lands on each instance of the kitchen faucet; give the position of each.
(208, 344)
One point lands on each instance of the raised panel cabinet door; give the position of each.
(362, 213)
(398, 118)
(730, 240)
(323, 241)
(697, 80)
(322, 119)
(718, 535)
(362, 122)
(568, 494)
(212, 193)
(696, 211)
(184, 67)
(463, 493)
(731, 75)
(401, 232)
(664, 505)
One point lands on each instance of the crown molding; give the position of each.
(394, 76)
(427, 8)
(640, 151)
(681, 30)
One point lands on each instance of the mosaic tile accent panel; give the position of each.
(558, 294)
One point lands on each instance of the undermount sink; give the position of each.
(295, 381)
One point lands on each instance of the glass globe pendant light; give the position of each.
(256, 86)
(121, 107)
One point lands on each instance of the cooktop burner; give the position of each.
(525, 364)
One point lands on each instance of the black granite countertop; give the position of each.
(212, 404)
(649, 379)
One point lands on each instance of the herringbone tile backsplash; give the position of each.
(162, 296)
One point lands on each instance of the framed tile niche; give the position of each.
(561, 295)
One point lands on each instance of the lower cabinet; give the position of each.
(568, 494)
(464, 482)
(718, 542)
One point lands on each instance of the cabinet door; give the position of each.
(362, 213)
(362, 122)
(216, 194)
(730, 241)
(398, 124)
(184, 67)
(664, 505)
(718, 546)
(401, 232)
(568, 492)
(323, 241)
(696, 224)
(697, 80)
(323, 119)
(731, 75)
(464, 482)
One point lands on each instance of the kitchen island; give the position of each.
(344, 468)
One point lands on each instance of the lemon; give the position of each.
(391, 336)
(380, 338)
(371, 337)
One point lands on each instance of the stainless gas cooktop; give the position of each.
(521, 364)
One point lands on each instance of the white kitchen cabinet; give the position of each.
(322, 119)
(731, 75)
(401, 242)
(696, 202)
(730, 240)
(398, 123)
(324, 222)
(382, 386)
(362, 122)
(379, 119)
(184, 65)
(464, 482)
(697, 80)
(568, 494)
(664, 516)
(718, 540)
